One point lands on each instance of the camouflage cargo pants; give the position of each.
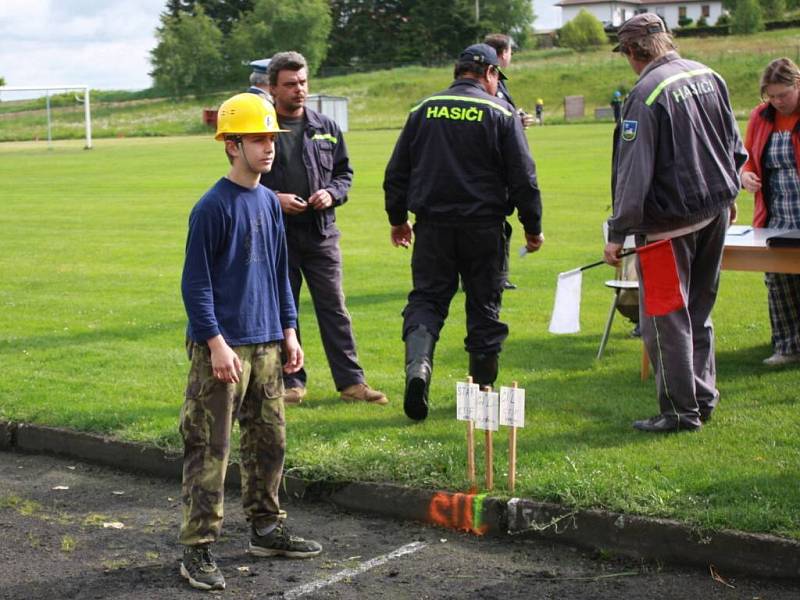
(206, 421)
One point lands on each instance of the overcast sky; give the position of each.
(548, 16)
(101, 43)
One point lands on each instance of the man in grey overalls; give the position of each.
(677, 153)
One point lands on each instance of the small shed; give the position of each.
(334, 107)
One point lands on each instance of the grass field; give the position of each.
(381, 99)
(92, 330)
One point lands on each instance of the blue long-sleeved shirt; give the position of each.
(235, 275)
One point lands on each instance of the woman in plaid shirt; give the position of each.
(772, 173)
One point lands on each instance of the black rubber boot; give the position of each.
(419, 364)
(483, 368)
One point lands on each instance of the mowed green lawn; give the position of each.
(92, 326)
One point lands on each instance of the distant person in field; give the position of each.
(616, 105)
(772, 173)
(461, 165)
(677, 153)
(241, 318)
(539, 111)
(311, 176)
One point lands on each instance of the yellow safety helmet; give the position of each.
(246, 113)
(539, 101)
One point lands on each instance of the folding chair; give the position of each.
(626, 281)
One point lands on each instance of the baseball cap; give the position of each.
(639, 26)
(482, 54)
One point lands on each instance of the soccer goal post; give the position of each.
(48, 90)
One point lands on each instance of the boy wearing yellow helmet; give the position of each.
(241, 314)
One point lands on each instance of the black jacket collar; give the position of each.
(768, 113)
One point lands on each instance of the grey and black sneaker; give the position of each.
(279, 542)
(200, 568)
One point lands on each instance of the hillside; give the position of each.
(381, 99)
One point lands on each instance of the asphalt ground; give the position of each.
(74, 530)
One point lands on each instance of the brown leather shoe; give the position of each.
(294, 395)
(361, 392)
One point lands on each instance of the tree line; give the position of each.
(204, 45)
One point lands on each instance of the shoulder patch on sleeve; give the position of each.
(629, 130)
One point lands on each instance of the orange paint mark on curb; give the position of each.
(458, 511)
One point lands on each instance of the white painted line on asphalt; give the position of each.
(362, 568)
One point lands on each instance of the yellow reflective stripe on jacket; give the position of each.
(686, 75)
(325, 137)
(494, 105)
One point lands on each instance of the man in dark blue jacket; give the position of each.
(504, 46)
(311, 177)
(461, 165)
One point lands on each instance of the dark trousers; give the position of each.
(681, 343)
(318, 260)
(442, 253)
(783, 299)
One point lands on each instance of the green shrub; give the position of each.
(684, 21)
(748, 18)
(583, 32)
(773, 10)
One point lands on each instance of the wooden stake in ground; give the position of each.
(471, 446)
(486, 418)
(512, 454)
(466, 401)
(512, 415)
(489, 452)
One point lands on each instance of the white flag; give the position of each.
(567, 306)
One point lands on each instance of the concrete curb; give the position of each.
(657, 539)
(637, 537)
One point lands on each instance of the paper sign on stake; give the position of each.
(462, 401)
(486, 413)
(466, 400)
(567, 305)
(474, 390)
(512, 407)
